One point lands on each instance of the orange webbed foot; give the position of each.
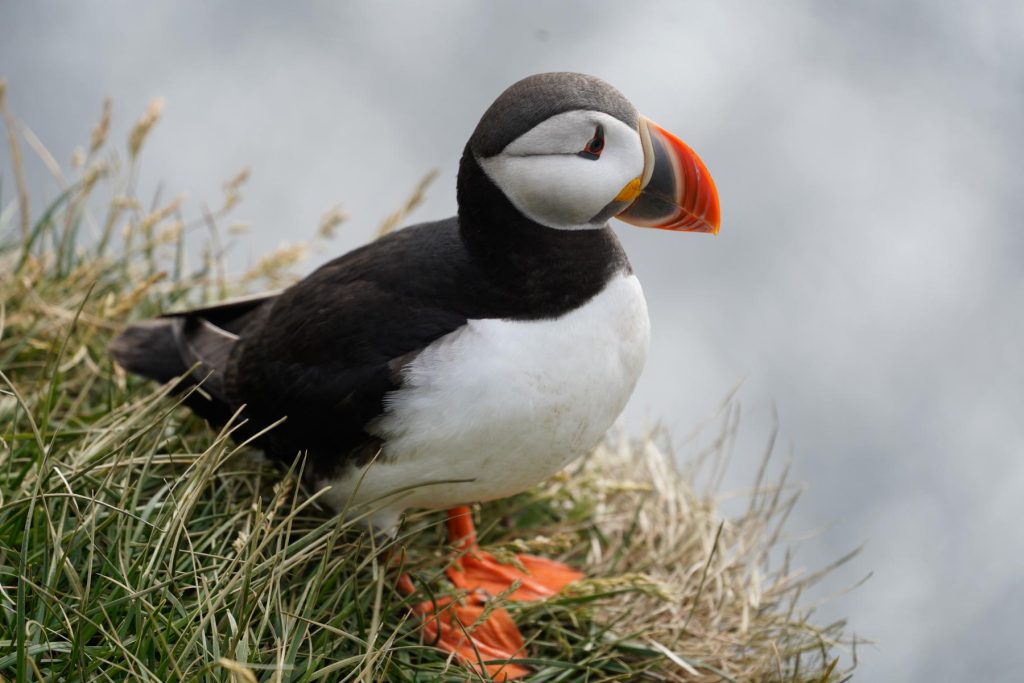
(476, 633)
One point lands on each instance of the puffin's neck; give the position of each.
(508, 243)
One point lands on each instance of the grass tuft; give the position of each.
(137, 544)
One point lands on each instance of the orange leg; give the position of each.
(456, 627)
(477, 570)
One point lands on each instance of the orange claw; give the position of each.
(480, 644)
(456, 625)
(477, 570)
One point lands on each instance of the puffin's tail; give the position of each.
(149, 349)
(193, 347)
(152, 349)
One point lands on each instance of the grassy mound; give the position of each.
(136, 544)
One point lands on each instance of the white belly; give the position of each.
(499, 405)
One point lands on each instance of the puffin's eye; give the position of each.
(592, 150)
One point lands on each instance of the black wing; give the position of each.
(194, 347)
(326, 350)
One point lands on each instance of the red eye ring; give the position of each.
(592, 150)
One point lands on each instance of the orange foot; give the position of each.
(457, 625)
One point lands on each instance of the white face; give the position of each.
(544, 175)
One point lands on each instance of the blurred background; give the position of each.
(867, 285)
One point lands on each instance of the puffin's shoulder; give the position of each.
(401, 256)
(327, 349)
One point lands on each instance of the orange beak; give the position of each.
(676, 191)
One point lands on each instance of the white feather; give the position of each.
(501, 405)
(543, 177)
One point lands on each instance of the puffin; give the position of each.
(460, 360)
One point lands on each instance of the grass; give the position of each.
(137, 544)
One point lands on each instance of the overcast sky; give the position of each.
(868, 281)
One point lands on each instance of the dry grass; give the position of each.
(698, 586)
(135, 544)
(397, 217)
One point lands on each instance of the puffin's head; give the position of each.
(570, 152)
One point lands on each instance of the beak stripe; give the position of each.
(678, 192)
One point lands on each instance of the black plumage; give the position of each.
(325, 352)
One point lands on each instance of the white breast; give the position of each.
(499, 405)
